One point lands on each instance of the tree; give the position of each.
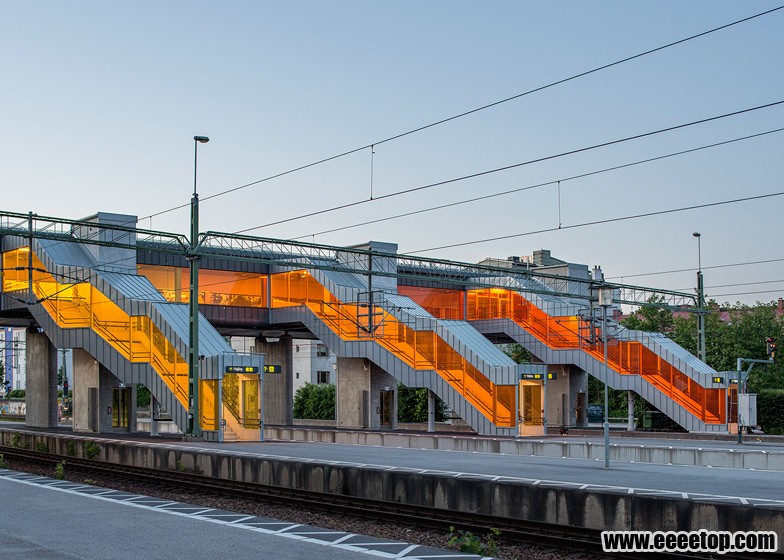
(3, 381)
(315, 402)
(518, 353)
(741, 335)
(650, 318)
(142, 396)
(412, 405)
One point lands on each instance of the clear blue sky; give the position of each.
(100, 101)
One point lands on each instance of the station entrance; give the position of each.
(121, 409)
(531, 408)
(241, 407)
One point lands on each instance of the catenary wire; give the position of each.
(476, 110)
(512, 166)
(599, 222)
(674, 271)
(535, 186)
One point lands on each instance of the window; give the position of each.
(322, 351)
(322, 377)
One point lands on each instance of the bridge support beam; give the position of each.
(278, 395)
(41, 385)
(93, 398)
(366, 395)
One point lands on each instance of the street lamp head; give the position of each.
(201, 139)
(696, 234)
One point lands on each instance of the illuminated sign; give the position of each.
(537, 376)
(273, 369)
(718, 380)
(242, 369)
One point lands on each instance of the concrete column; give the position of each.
(630, 404)
(92, 395)
(431, 411)
(578, 385)
(380, 381)
(278, 405)
(41, 386)
(353, 392)
(85, 375)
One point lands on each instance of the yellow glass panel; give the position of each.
(208, 404)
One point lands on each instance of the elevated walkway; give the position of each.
(555, 331)
(122, 321)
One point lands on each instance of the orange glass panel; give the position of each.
(625, 357)
(81, 305)
(216, 287)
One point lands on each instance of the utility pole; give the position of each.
(701, 351)
(194, 426)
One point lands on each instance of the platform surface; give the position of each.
(47, 519)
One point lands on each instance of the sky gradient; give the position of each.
(101, 101)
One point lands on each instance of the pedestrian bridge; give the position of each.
(119, 297)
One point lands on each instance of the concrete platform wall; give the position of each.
(623, 452)
(610, 509)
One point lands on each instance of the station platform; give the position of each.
(756, 452)
(114, 525)
(559, 489)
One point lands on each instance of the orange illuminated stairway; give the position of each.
(561, 334)
(140, 347)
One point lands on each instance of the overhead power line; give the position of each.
(674, 271)
(512, 166)
(535, 186)
(599, 222)
(476, 110)
(747, 293)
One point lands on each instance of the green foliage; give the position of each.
(180, 466)
(143, 397)
(61, 375)
(16, 440)
(651, 318)
(770, 404)
(70, 448)
(518, 353)
(3, 463)
(90, 481)
(17, 394)
(412, 405)
(315, 402)
(470, 543)
(742, 336)
(59, 470)
(41, 447)
(92, 450)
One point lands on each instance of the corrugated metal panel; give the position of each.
(477, 342)
(406, 304)
(177, 317)
(132, 286)
(64, 253)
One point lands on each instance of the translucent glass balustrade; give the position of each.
(572, 332)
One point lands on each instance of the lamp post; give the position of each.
(701, 352)
(194, 426)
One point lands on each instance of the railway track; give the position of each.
(513, 531)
